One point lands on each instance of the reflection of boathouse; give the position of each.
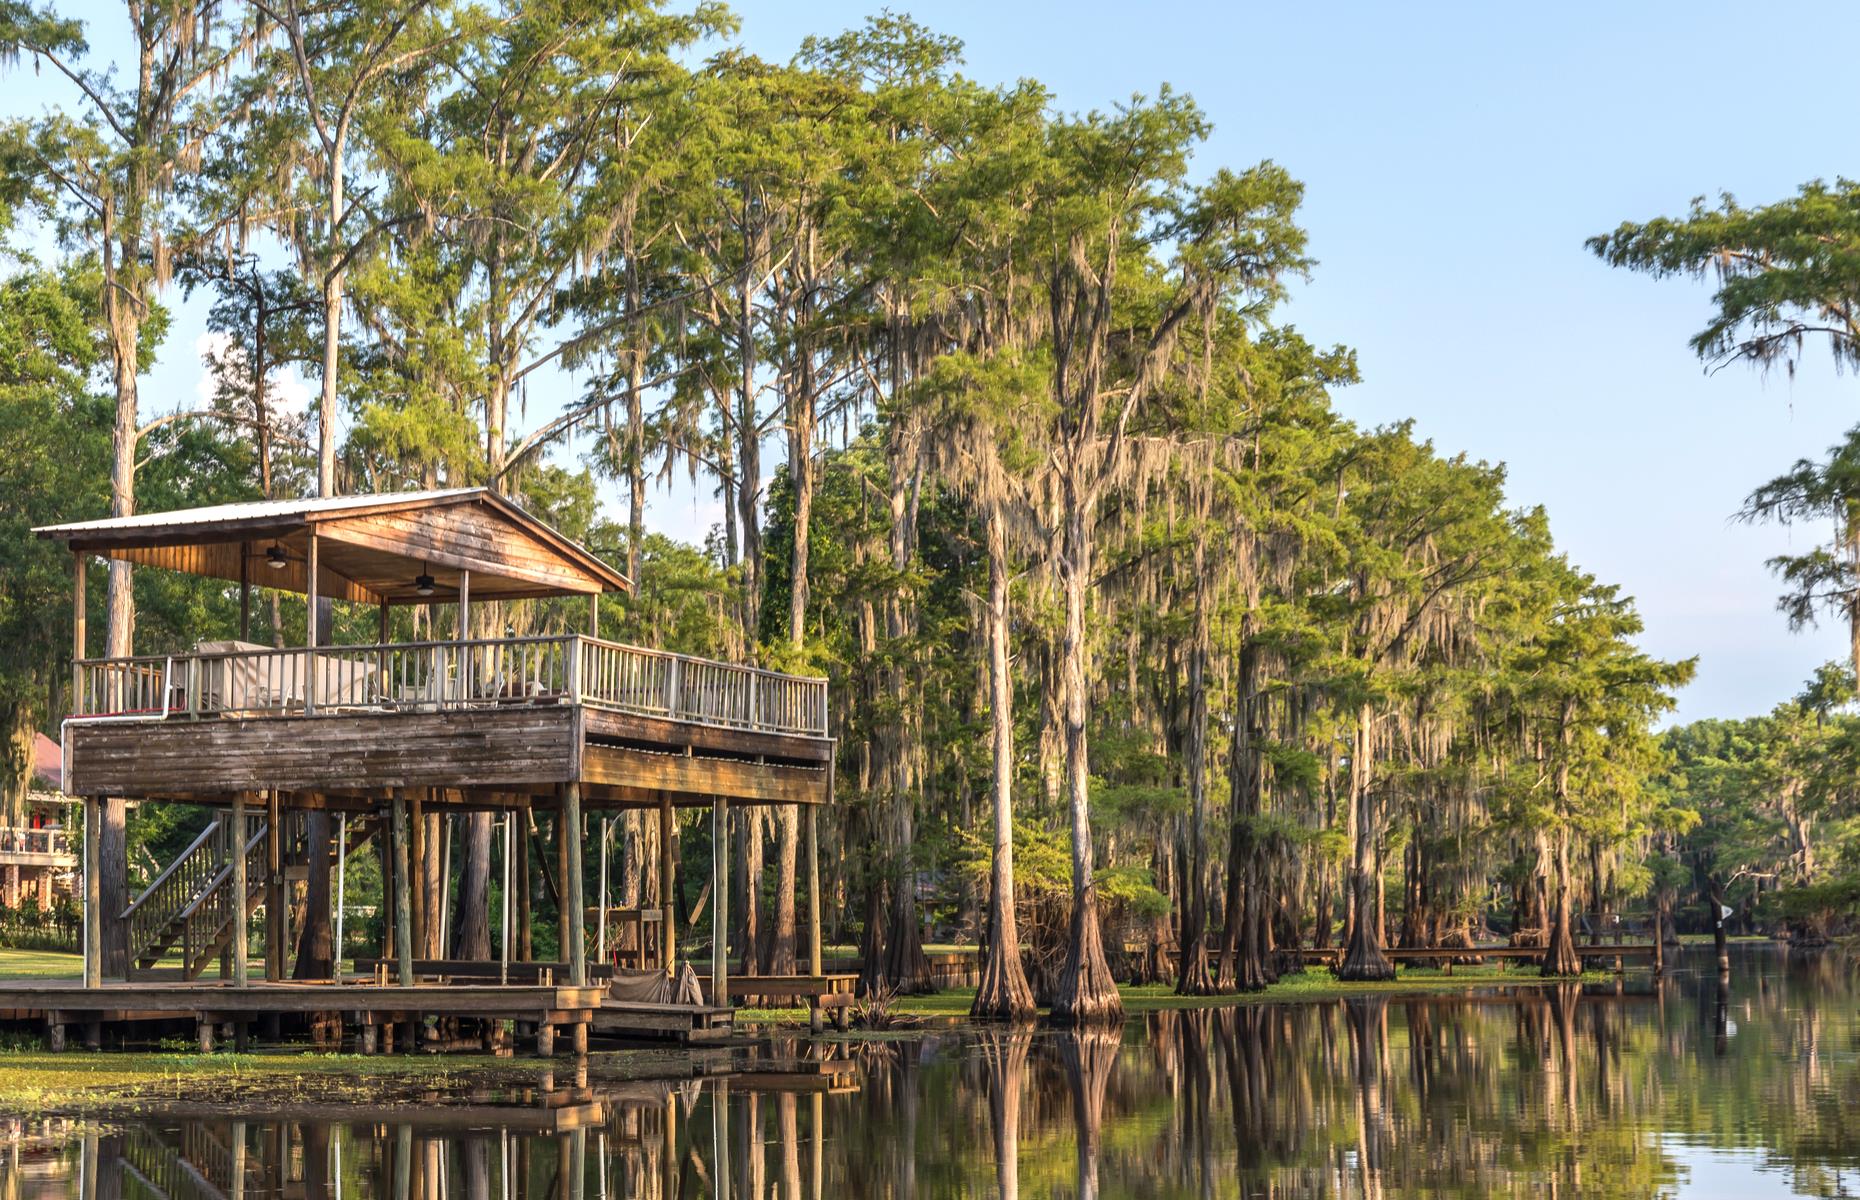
(379, 736)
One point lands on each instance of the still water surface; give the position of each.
(1691, 1089)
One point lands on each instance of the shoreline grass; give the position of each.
(1313, 984)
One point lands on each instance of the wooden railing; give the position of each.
(182, 897)
(14, 840)
(428, 676)
(205, 924)
(683, 688)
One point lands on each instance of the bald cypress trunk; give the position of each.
(1085, 993)
(1003, 991)
(1363, 958)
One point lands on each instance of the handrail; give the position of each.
(212, 830)
(15, 839)
(448, 674)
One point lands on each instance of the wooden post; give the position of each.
(417, 850)
(383, 694)
(384, 847)
(719, 901)
(574, 935)
(525, 948)
(509, 881)
(464, 632)
(813, 892)
(93, 894)
(594, 614)
(77, 634)
(245, 591)
(241, 935)
(668, 927)
(310, 624)
(812, 849)
(342, 880)
(600, 930)
(277, 904)
(403, 915)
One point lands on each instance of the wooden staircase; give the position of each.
(190, 903)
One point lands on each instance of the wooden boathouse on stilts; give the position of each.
(380, 737)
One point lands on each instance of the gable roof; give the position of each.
(48, 761)
(369, 548)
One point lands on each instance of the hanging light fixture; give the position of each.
(274, 557)
(423, 582)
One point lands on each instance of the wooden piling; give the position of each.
(277, 905)
(814, 965)
(93, 895)
(573, 913)
(403, 901)
(241, 934)
(668, 925)
(719, 900)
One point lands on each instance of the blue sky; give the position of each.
(1455, 157)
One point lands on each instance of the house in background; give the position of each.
(38, 862)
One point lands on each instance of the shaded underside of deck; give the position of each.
(510, 756)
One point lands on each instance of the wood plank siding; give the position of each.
(463, 748)
(510, 756)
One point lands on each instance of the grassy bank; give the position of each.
(1311, 984)
(14, 963)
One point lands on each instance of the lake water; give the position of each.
(1687, 1089)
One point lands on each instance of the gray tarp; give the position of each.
(657, 987)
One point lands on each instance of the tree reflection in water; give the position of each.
(1550, 1092)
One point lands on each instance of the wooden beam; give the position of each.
(620, 727)
(754, 783)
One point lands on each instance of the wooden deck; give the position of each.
(745, 735)
(63, 1007)
(398, 733)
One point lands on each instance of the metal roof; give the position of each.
(250, 510)
(368, 540)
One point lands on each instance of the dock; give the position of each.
(310, 754)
